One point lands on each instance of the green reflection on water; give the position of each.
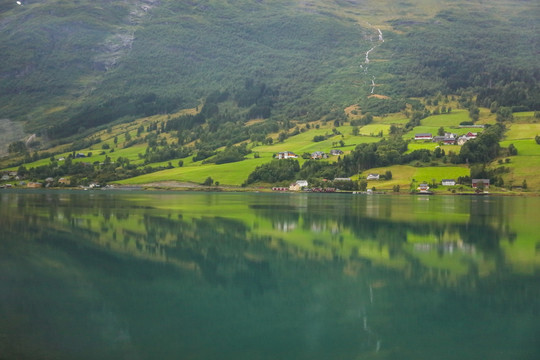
(267, 276)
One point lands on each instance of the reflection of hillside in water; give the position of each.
(323, 270)
(222, 249)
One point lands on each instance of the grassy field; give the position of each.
(391, 119)
(227, 174)
(525, 117)
(432, 146)
(303, 142)
(525, 165)
(374, 129)
(447, 120)
(522, 131)
(402, 175)
(450, 123)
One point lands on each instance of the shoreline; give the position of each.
(189, 187)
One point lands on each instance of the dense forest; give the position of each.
(69, 67)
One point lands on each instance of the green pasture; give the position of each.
(486, 117)
(527, 147)
(391, 119)
(227, 174)
(522, 131)
(523, 167)
(426, 174)
(374, 129)
(431, 146)
(402, 175)
(447, 120)
(303, 142)
(131, 153)
(524, 117)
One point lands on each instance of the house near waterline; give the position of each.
(64, 181)
(298, 185)
(476, 182)
(448, 182)
(423, 187)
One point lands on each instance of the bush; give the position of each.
(208, 182)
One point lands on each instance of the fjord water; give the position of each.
(133, 275)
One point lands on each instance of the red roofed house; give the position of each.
(423, 136)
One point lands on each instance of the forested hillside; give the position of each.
(70, 66)
(209, 82)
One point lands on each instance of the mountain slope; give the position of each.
(66, 67)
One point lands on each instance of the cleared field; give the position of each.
(523, 168)
(525, 117)
(527, 147)
(427, 174)
(226, 174)
(432, 146)
(396, 119)
(374, 129)
(447, 120)
(522, 131)
(303, 142)
(402, 175)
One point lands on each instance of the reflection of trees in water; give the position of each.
(284, 218)
(482, 234)
(218, 246)
(228, 251)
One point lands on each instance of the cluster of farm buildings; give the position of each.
(314, 155)
(447, 139)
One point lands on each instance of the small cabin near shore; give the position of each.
(448, 182)
(476, 182)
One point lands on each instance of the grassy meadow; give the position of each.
(404, 175)
(520, 133)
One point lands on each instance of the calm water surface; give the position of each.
(131, 275)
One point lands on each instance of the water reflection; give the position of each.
(261, 276)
